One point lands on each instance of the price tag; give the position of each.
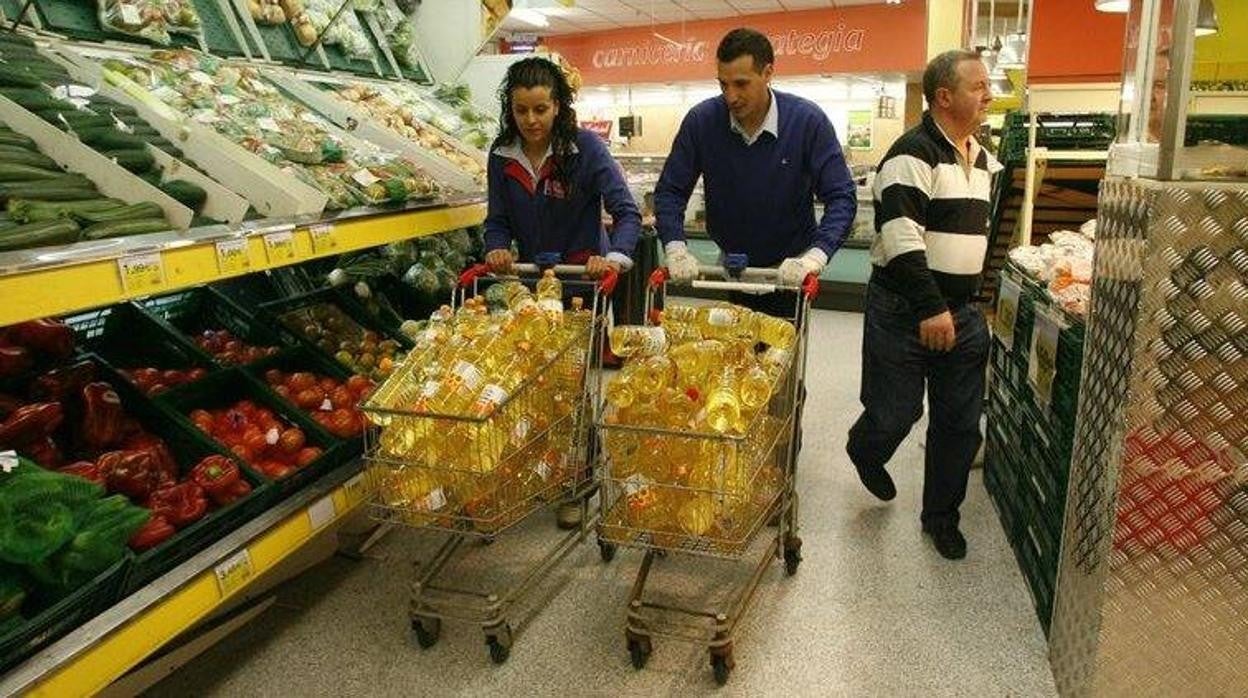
(365, 178)
(1042, 364)
(280, 247)
(234, 572)
(323, 239)
(322, 512)
(355, 490)
(232, 256)
(141, 273)
(130, 15)
(268, 124)
(1007, 312)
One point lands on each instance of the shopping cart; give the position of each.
(479, 477)
(707, 493)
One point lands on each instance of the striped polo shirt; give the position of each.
(931, 219)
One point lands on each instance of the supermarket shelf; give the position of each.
(52, 281)
(101, 651)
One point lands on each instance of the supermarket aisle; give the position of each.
(873, 611)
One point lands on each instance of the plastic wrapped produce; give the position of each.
(152, 20)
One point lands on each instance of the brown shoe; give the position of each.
(568, 515)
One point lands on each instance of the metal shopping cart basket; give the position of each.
(706, 493)
(479, 477)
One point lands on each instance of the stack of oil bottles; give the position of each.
(695, 423)
(479, 425)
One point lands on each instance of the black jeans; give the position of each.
(895, 367)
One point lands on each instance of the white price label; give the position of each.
(365, 178)
(521, 431)
(1042, 364)
(234, 572)
(323, 239)
(141, 273)
(280, 247)
(1007, 312)
(635, 483)
(355, 490)
(267, 123)
(322, 512)
(130, 15)
(720, 317)
(467, 373)
(435, 500)
(232, 256)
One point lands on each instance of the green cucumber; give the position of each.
(137, 160)
(27, 211)
(45, 192)
(114, 229)
(188, 194)
(13, 172)
(21, 156)
(139, 211)
(18, 78)
(109, 138)
(58, 232)
(16, 140)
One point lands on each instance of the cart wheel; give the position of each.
(639, 651)
(792, 555)
(721, 668)
(499, 644)
(606, 550)
(427, 631)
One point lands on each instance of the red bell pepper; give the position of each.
(14, 361)
(84, 469)
(157, 530)
(218, 476)
(63, 383)
(30, 423)
(162, 457)
(132, 473)
(181, 505)
(45, 452)
(102, 417)
(51, 338)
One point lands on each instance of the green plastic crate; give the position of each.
(125, 337)
(188, 447)
(290, 313)
(192, 312)
(22, 639)
(225, 388)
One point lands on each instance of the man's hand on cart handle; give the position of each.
(794, 270)
(682, 267)
(597, 267)
(500, 261)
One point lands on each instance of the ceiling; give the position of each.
(601, 15)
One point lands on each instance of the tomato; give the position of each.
(342, 397)
(255, 441)
(274, 376)
(327, 384)
(340, 423)
(203, 421)
(243, 452)
(291, 440)
(275, 470)
(231, 420)
(197, 415)
(309, 399)
(301, 381)
(195, 374)
(364, 394)
(282, 391)
(307, 455)
(157, 389)
(171, 377)
(247, 407)
(357, 383)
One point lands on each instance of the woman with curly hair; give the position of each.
(549, 180)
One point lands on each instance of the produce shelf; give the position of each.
(54, 281)
(101, 651)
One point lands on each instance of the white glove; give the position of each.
(682, 267)
(793, 271)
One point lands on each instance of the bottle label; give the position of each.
(469, 374)
(636, 483)
(542, 470)
(434, 501)
(551, 306)
(490, 398)
(430, 388)
(520, 431)
(776, 357)
(721, 317)
(654, 341)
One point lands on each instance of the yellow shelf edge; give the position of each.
(125, 648)
(66, 289)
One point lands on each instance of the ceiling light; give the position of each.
(532, 18)
(1206, 19)
(1113, 5)
(1013, 52)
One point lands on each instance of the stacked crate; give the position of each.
(1029, 443)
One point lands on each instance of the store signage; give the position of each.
(232, 256)
(280, 247)
(233, 573)
(323, 240)
(601, 127)
(141, 274)
(322, 512)
(863, 38)
(1007, 312)
(355, 490)
(1042, 363)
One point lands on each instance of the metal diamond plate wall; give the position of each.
(1152, 593)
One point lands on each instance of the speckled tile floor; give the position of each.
(872, 611)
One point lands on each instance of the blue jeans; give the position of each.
(895, 367)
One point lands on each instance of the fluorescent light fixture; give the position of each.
(1206, 19)
(1113, 5)
(532, 18)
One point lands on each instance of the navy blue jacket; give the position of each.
(760, 197)
(542, 216)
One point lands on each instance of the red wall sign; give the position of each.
(601, 127)
(855, 39)
(1093, 53)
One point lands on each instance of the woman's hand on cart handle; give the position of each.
(597, 267)
(810, 287)
(472, 273)
(500, 261)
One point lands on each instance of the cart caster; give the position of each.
(792, 555)
(639, 650)
(427, 631)
(606, 550)
(721, 667)
(499, 644)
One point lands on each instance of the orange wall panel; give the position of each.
(1072, 42)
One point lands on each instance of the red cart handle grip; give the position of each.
(658, 277)
(810, 286)
(608, 281)
(471, 274)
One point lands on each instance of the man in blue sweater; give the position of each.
(763, 157)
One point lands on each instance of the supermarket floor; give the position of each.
(872, 611)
